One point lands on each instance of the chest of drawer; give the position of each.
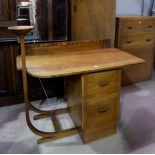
(102, 83)
(136, 26)
(101, 112)
(136, 40)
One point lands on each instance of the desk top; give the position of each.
(77, 62)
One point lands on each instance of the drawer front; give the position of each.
(101, 112)
(102, 83)
(139, 40)
(130, 26)
(96, 132)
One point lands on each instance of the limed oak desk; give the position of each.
(92, 86)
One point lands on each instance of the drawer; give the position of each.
(101, 112)
(132, 26)
(102, 83)
(139, 40)
(98, 132)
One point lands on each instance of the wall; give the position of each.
(132, 7)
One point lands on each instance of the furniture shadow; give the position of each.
(139, 130)
(11, 116)
(22, 147)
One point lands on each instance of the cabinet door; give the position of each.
(7, 71)
(4, 7)
(7, 10)
(92, 19)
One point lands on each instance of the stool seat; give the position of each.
(21, 30)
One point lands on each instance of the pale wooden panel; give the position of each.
(93, 19)
(54, 48)
(73, 88)
(46, 66)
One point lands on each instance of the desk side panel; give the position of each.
(73, 93)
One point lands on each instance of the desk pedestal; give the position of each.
(94, 102)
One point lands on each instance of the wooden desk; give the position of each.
(77, 62)
(92, 85)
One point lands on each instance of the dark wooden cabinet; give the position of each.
(7, 18)
(7, 70)
(4, 6)
(7, 10)
(11, 88)
(52, 19)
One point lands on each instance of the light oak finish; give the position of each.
(101, 83)
(46, 136)
(74, 96)
(11, 90)
(52, 113)
(95, 108)
(137, 24)
(93, 19)
(56, 123)
(136, 35)
(69, 46)
(58, 135)
(77, 62)
(22, 31)
(56, 65)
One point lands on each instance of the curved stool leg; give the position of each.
(46, 136)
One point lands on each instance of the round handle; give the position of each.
(102, 110)
(129, 27)
(148, 40)
(102, 83)
(150, 26)
(129, 42)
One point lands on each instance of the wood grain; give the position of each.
(96, 116)
(69, 46)
(93, 19)
(46, 66)
(101, 84)
(54, 86)
(73, 87)
(8, 10)
(136, 35)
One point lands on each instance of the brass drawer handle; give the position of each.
(129, 42)
(129, 27)
(148, 40)
(102, 110)
(102, 83)
(150, 26)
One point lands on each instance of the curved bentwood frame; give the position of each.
(21, 31)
